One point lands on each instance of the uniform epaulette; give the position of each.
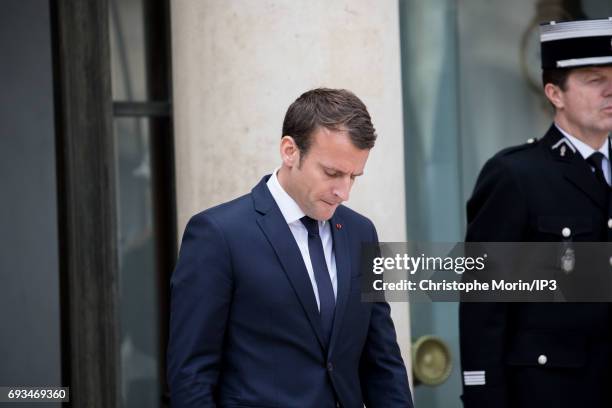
(512, 149)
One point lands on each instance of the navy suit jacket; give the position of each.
(245, 328)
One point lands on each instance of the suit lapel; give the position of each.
(575, 168)
(343, 273)
(279, 235)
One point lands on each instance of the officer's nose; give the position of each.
(608, 88)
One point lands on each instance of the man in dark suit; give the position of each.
(266, 304)
(552, 190)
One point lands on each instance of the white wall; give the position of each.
(239, 64)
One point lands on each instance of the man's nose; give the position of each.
(343, 188)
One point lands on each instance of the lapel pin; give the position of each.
(562, 151)
(338, 226)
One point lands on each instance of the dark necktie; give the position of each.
(596, 160)
(327, 300)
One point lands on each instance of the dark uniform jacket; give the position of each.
(537, 354)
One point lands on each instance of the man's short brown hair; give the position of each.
(334, 109)
(555, 76)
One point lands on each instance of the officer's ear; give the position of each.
(555, 95)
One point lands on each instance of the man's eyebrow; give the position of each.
(590, 71)
(328, 168)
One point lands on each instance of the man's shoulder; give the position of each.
(230, 212)
(522, 158)
(520, 152)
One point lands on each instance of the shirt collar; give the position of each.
(289, 208)
(584, 149)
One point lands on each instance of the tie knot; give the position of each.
(596, 159)
(311, 225)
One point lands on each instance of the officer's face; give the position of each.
(324, 177)
(586, 103)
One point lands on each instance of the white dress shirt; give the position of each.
(586, 150)
(292, 213)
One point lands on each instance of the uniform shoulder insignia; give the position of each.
(532, 140)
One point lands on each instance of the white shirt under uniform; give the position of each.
(585, 151)
(293, 213)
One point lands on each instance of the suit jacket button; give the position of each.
(330, 367)
(609, 222)
(542, 359)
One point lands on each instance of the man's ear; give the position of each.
(555, 95)
(290, 153)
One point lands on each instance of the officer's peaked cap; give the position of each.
(574, 44)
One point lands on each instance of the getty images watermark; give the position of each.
(487, 272)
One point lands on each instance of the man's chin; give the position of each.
(607, 127)
(324, 214)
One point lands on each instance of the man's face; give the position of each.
(586, 103)
(325, 176)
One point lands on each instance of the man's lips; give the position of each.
(330, 204)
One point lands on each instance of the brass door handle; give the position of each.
(431, 361)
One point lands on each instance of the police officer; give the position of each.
(553, 189)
